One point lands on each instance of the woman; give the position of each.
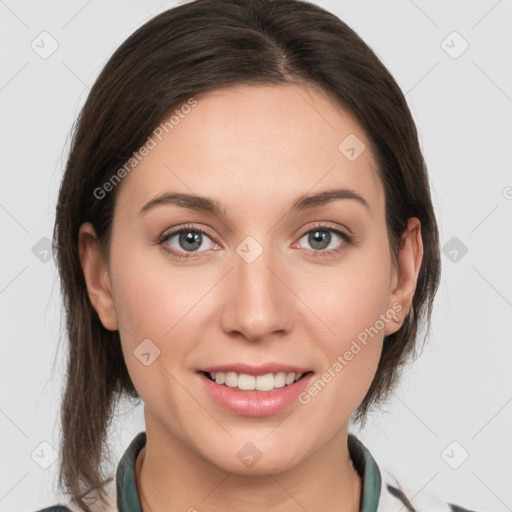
(246, 242)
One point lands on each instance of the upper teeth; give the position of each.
(261, 382)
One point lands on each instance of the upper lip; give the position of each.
(262, 369)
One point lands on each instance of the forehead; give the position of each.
(252, 144)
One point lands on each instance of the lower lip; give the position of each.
(255, 403)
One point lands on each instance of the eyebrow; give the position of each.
(209, 205)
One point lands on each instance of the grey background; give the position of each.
(460, 389)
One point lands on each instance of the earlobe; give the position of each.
(406, 271)
(96, 276)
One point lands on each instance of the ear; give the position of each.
(405, 274)
(96, 276)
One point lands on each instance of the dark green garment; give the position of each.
(364, 463)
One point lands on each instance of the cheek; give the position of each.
(152, 303)
(152, 296)
(155, 311)
(353, 297)
(350, 297)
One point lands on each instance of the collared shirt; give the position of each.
(378, 494)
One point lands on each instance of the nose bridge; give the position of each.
(258, 300)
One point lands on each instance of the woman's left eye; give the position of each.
(322, 241)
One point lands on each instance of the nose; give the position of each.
(258, 300)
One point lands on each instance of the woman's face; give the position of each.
(269, 277)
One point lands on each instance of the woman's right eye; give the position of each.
(184, 240)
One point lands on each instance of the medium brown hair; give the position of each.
(191, 49)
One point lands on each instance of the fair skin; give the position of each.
(254, 150)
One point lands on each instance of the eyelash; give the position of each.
(316, 253)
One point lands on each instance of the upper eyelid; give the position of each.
(180, 229)
(327, 226)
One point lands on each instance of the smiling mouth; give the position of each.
(266, 383)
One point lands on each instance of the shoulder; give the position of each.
(107, 503)
(107, 499)
(68, 507)
(55, 508)
(382, 492)
(394, 494)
